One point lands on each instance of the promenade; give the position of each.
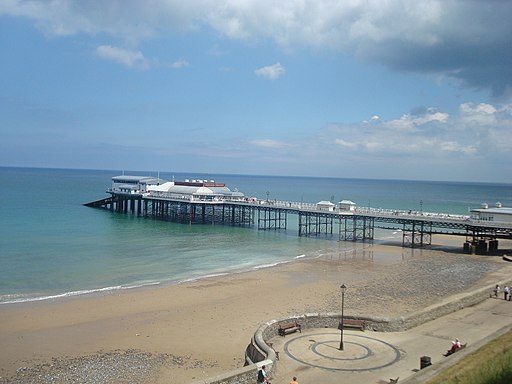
(375, 357)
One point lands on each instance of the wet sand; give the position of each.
(191, 331)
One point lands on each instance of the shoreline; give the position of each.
(449, 243)
(176, 329)
(134, 286)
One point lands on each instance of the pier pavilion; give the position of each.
(497, 213)
(210, 202)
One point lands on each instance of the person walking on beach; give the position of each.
(506, 291)
(294, 381)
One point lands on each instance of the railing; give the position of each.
(395, 212)
(227, 199)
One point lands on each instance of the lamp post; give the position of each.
(343, 288)
(268, 193)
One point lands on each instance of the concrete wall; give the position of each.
(245, 375)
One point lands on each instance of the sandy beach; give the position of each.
(190, 331)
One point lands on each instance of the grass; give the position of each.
(491, 364)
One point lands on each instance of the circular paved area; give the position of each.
(360, 352)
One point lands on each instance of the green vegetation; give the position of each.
(491, 364)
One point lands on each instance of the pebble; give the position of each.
(130, 366)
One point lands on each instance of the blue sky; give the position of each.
(371, 89)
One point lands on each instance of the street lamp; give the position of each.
(268, 193)
(343, 288)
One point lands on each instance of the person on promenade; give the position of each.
(506, 292)
(455, 345)
(262, 376)
(496, 291)
(294, 381)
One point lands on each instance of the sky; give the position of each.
(380, 89)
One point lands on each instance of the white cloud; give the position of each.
(123, 56)
(181, 63)
(269, 144)
(132, 21)
(477, 132)
(451, 146)
(433, 37)
(346, 144)
(430, 144)
(272, 72)
(373, 145)
(375, 119)
(478, 114)
(431, 117)
(412, 123)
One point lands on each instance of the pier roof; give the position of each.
(500, 210)
(325, 202)
(197, 190)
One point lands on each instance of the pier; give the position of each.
(208, 202)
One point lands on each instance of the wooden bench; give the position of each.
(352, 324)
(286, 328)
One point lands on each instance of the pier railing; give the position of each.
(415, 214)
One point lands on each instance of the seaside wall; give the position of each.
(245, 375)
(260, 352)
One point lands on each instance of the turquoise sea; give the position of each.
(53, 246)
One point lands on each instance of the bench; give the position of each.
(352, 324)
(286, 328)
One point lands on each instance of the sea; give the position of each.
(52, 246)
